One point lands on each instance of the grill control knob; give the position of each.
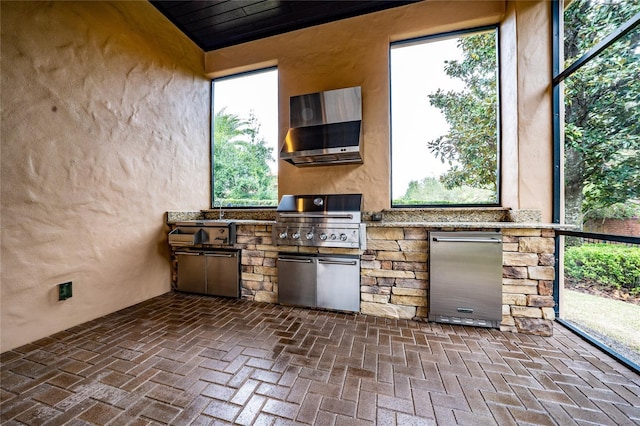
(283, 235)
(323, 236)
(295, 235)
(333, 236)
(343, 237)
(309, 235)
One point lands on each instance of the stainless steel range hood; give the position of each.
(325, 128)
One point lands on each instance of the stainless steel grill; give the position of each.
(332, 220)
(320, 280)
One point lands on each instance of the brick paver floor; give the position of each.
(184, 359)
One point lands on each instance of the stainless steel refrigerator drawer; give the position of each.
(465, 270)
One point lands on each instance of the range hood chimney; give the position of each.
(324, 128)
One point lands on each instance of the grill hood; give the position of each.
(324, 128)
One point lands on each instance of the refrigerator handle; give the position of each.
(465, 240)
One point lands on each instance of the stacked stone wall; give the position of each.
(394, 273)
(259, 273)
(527, 285)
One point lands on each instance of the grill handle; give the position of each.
(337, 262)
(220, 255)
(282, 259)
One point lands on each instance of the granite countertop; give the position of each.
(239, 216)
(461, 218)
(466, 225)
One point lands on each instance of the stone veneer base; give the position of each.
(394, 272)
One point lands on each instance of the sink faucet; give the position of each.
(220, 209)
(221, 212)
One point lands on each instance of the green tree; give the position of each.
(241, 162)
(470, 146)
(431, 189)
(602, 110)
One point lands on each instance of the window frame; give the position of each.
(212, 141)
(432, 38)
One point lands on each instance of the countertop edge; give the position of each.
(434, 225)
(253, 222)
(501, 225)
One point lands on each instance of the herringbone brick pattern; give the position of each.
(182, 359)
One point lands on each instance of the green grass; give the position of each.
(617, 320)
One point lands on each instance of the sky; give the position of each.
(416, 71)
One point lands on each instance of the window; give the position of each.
(597, 147)
(444, 109)
(245, 132)
(601, 115)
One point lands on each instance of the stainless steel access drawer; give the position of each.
(185, 236)
(338, 283)
(297, 280)
(319, 281)
(214, 273)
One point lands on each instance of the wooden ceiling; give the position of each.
(214, 24)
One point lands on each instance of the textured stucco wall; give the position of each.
(525, 94)
(105, 118)
(509, 116)
(355, 52)
(535, 125)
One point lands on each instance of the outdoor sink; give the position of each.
(203, 231)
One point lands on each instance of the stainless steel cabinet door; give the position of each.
(222, 274)
(338, 284)
(191, 272)
(297, 280)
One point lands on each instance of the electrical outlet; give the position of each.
(64, 291)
